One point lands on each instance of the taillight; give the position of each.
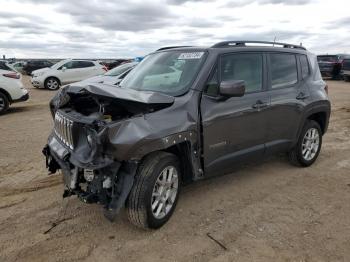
(12, 75)
(326, 89)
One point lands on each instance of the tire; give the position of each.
(296, 155)
(4, 103)
(347, 78)
(149, 176)
(52, 83)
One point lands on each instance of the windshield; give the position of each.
(120, 69)
(169, 72)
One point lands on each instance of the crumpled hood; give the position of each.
(108, 101)
(112, 91)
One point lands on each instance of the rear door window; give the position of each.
(283, 70)
(247, 67)
(84, 64)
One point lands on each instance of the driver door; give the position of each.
(67, 72)
(235, 129)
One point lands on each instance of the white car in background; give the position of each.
(65, 72)
(11, 89)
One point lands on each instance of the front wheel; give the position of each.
(52, 83)
(309, 145)
(155, 192)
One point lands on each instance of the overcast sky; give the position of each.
(111, 28)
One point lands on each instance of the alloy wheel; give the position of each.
(52, 84)
(164, 192)
(310, 144)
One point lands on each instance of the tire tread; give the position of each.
(294, 155)
(135, 206)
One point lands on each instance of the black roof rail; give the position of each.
(243, 43)
(171, 47)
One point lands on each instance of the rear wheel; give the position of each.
(347, 78)
(4, 103)
(309, 145)
(155, 192)
(52, 83)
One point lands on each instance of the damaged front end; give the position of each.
(88, 142)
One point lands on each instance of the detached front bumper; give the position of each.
(108, 185)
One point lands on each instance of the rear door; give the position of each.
(289, 94)
(234, 129)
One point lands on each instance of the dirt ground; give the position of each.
(270, 211)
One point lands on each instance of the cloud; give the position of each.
(112, 15)
(91, 28)
(239, 3)
(180, 2)
(286, 2)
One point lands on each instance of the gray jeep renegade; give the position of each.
(184, 114)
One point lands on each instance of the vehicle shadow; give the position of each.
(193, 196)
(14, 110)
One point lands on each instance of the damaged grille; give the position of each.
(64, 129)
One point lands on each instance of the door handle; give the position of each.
(260, 104)
(302, 96)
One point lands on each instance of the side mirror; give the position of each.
(64, 68)
(232, 88)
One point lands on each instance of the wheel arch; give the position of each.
(320, 118)
(184, 146)
(183, 152)
(8, 96)
(320, 113)
(59, 80)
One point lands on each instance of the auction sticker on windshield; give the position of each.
(194, 55)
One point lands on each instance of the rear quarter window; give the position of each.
(304, 64)
(283, 70)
